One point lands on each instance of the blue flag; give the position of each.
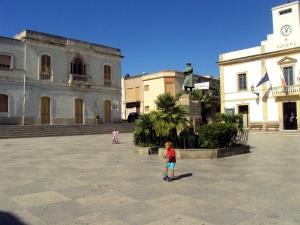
(264, 79)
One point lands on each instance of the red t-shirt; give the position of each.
(171, 154)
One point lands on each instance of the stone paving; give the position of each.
(86, 180)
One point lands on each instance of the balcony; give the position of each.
(286, 90)
(45, 76)
(79, 80)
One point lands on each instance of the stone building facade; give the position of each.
(49, 79)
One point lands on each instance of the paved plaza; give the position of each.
(81, 180)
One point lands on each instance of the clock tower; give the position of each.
(286, 28)
(286, 21)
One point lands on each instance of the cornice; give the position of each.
(259, 56)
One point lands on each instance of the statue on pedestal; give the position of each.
(188, 80)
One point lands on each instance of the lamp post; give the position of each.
(254, 92)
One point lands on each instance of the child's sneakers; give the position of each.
(166, 178)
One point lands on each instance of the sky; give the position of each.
(153, 35)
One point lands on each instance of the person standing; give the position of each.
(115, 136)
(170, 159)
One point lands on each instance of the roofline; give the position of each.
(285, 5)
(10, 39)
(162, 71)
(66, 38)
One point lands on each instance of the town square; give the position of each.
(150, 112)
(66, 180)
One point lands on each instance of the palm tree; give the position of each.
(165, 102)
(143, 131)
(170, 118)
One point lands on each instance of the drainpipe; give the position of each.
(24, 89)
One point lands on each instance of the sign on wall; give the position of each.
(201, 86)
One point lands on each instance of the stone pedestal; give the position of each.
(193, 107)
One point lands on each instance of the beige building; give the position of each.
(140, 92)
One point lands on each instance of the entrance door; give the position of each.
(45, 110)
(244, 110)
(78, 111)
(107, 111)
(290, 116)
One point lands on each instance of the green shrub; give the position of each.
(236, 119)
(217, 135)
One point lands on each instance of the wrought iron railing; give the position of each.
(45, 76)
(286, 90)
(77, 77)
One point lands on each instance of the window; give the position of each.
(45, 67)
(78, 70)
(77, 67)
(169, 87)
(107, 75)
(147, 108)
(242, 81)
(137, 93)
(146, 88)
(5, 62)
(3, 103)
(288, 75)
(285, 11)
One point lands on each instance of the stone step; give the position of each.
(14, 131)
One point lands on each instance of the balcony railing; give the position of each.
(286, 90)
(78, 79)
(45, 76)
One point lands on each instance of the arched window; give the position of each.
(3, 103)
(78, 70)
(45, 67)
(77, 67)
(107, 75)
(45, 64)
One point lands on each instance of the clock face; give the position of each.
(286, 30)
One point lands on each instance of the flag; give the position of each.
(263, 79)
(282, 80)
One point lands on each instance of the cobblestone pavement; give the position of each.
(86, 180)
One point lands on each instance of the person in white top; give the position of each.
(115, 136)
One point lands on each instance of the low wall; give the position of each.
(208, 153)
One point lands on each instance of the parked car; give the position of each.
(132, 117)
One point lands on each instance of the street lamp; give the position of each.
(254, 92)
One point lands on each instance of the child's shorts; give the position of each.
(170, 165)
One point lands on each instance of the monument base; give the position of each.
(193, 107)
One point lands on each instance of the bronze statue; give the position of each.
(188, 80)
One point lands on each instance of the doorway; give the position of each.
(290, 116)
(107, 111)
(244, 110)
(45, 110)
(78, 111)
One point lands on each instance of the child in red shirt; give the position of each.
(170, 159)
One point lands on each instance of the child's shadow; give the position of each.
(184, 175)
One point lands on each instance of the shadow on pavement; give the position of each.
(184, 175)
(7, 218)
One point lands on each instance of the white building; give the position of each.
(276, 103)
(67, 81)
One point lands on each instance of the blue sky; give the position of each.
(153, 35)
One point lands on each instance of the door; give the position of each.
(45, 110)
(290, 116)
(78, 111)
(244, 110)
(107, 111)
